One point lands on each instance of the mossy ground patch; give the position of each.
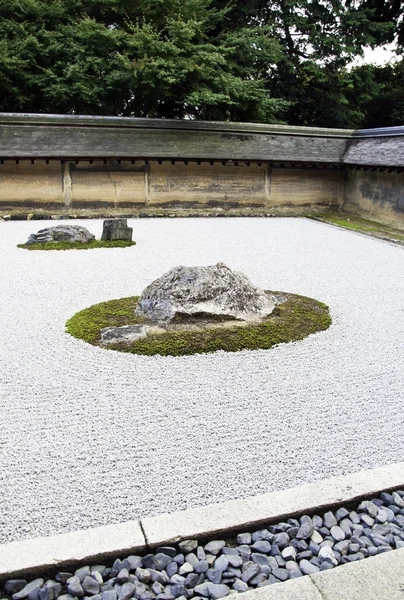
(294, 319)
(77, 245)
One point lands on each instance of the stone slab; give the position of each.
(377, 578)
(251, 512)
(294, 589)
(88, 545)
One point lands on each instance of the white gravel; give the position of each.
(90, 436)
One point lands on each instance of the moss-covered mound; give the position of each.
(294, 319)
(77, 245)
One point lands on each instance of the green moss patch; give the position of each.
(364, 226)
(294, 319)
(77, 245)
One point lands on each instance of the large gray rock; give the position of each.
(116, 229)
(61, 233)
(208, 292)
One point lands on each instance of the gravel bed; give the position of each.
(274, 554)
(90, 437)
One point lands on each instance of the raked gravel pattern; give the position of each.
(90, 436)
(282, 551)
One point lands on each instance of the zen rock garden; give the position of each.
(199, 309)
(219, 568)
(116, 233)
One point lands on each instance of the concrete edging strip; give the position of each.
(230, 516)
(90, 545)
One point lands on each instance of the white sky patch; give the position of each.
(380, 56)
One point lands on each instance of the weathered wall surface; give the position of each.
(376, 195)
(130, 187)
(306, 188)
(26, 185)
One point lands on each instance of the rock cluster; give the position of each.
(279, 552)
(61, 233)
(207, 292)
(116, 229)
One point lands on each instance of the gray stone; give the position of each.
(295, 573)
(202, 566)
(157, 588)
(109, 595)
(289, 553)
(281, 540)
(306, 530)
(215, 547)
(63, 576)
(337, 533)
(245, 552)
(74, 587)
(214, 575)
(116, 229)
(251, 571)
(244, 538)
(398, 500)
(200, 552)
(329, 520)
(369, 507)
(327, 555)
(261, 546)
(134, 562)
(191, 580)
(50, 591)
(185, 569)
(160, 576)
(13, 586)
(203, 589)
(221, 563)
(123, 576)
(235, 560)
(61, 233)
(281, 574)
(307, 567)
(178, 589)
(260, 535)
(92, 587)
(342, 547)
(218, 590)
(128, 590)
(240, 586)
(214, 291)
(191, 558)
(143, 575)
(341, 513)
(260, 559)
(172, 569)
(161, 561)
(187, 546)
(169, 550)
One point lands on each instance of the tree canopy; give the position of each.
(243, 60)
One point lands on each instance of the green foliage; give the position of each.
(77, 245)
(243, 60)
(293, 320)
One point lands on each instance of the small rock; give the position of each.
(221, 563)
(33, 586)
(185, 569)
(307, 567)
(261, 546)
(214, 547)
(240, 586)
(326, 554)
(91, 586)
(251, 571)
(161, 561)
(169, 550)
(13, 586)
(281, 540)
(289, 553)
(109, 595)
(218, 590)
(337, 533)
(143, 575)
(187, 546)
(128, 589)
(214, 575)
(243, 538)
(201, 567)
(316, 537)
(329, 520)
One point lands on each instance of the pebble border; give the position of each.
(282, 551)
